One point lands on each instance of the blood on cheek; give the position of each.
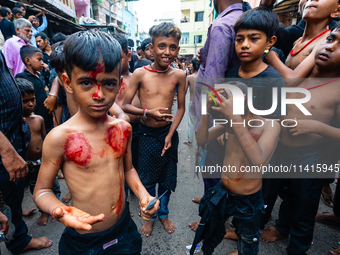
(77, 149)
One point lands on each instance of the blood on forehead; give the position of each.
(98, 69)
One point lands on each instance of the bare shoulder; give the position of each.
(56, 137)
(179, 73)
(138, 72)
(123, 125)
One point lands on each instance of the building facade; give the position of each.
(194, 25)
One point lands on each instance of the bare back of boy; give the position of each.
(93, 159)
(323, 105)
(243, 183)
(38, 133)
(157, 90)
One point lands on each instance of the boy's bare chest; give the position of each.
(85, 150)
(294, 60)
(158, 86)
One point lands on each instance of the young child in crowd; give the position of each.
(308, 143)
(191, 86)
(94, 151)
(238, 192)
(38, 133)
(158, 138)
(147, 53)
(32, 57)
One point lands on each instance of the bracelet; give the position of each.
(41, 194)
(52, 213)
(144, 113)
(51, 94)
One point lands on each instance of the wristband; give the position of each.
(51, 94)
(144, 113)
(52, 213)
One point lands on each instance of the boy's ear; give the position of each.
(151, 47)
(67, 83)
(121, 81)
(178, 48)
(129, 56)
(336, 13)
(27, 61)
(271, 42)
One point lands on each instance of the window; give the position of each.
(185, 38)
(199, 16)
(197, 39)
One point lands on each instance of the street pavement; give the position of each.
(182, 212)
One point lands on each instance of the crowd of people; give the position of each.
(87, 108)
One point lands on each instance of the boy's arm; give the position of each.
(14, 164)
(43, 196)
(317, 127)
(303, 70)
(180, 110)
(204, 133)
(116, 111)
(187, 84)
(135, 184)
(51, 101)
(43, 129)
(44, 23)
(258, 152)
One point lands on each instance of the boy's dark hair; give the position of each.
(138, 48)
(58, 37)
(103, 47)
(150, 30)
(19, 5)
(25, 86)
(183, 59)
(4, 11)
(16, 10)
(122, 41)
(195, 65)
(57, 59)
(259, 18)
(27, 51)
(131, 43)
(42, 35)
(146, 43)
(336, 26)
(166, 29)
(142, 62)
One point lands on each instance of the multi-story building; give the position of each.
(194, 26)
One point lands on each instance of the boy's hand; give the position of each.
(303, 127)
(143, 203)
(167, 144)
(3, 223)
(15, 165)
(46, 67)
(157, 115)
(227, 105)
(75, 218)
(50, 103)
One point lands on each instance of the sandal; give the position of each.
(328, 199)
(188, 143)
(327, 218)
(335, 251)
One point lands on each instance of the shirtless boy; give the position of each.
(309, 143)
(300, 62)
(158, 138)
(93, 151)
(238, 192)
(38, 133)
